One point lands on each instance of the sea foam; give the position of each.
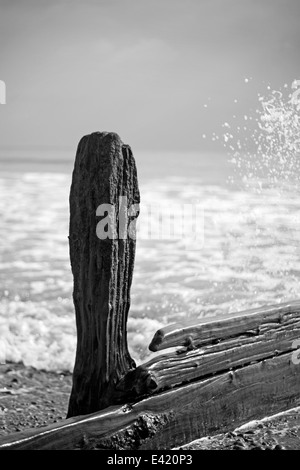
(249, 257)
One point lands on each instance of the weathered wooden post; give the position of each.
(104, 172)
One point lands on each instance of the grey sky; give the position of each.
(144, 69)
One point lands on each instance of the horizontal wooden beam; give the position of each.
(171, 418)
(210, 329)
(172, 369)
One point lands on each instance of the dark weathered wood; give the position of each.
(171, 418)
(173, 369)
(210, 329)
(102, 269)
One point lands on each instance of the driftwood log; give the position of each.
(225, 371)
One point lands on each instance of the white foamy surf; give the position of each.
(250, 257)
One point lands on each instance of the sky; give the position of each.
(160, 73)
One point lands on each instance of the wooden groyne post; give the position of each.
(102, 266)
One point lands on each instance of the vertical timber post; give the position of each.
(102, 268)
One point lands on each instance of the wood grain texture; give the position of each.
(174, 417)
(173, 369)
(210, 329)
(102, 269)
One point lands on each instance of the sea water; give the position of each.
(248, 257)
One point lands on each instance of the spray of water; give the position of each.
(265, 149)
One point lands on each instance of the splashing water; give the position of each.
(265, 154)
(265, 151)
